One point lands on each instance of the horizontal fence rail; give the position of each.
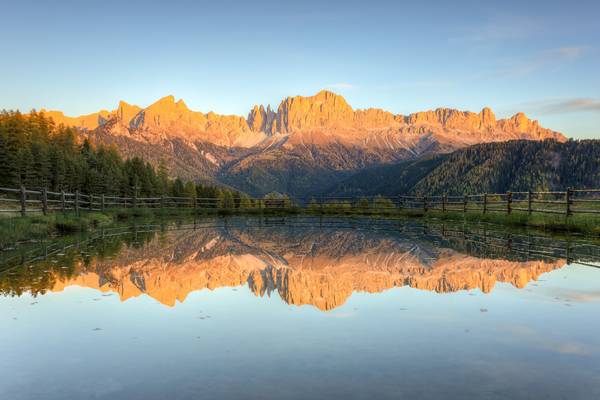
(23, 201)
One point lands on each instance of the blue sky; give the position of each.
(81, 56)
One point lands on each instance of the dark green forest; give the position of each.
(37, 154)
(489, 167)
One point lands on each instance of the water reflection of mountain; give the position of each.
(313, 265)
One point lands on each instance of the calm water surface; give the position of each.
(301, 310)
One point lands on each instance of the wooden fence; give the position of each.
(569, 202)
(43, 201)
(572, 201)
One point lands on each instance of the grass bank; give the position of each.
(33, 228)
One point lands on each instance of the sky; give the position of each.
(540, 57)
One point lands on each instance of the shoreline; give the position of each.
(16, 230)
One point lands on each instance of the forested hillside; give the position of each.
(36, 153)
(490, 167)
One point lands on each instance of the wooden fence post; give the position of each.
(425, 203)
(77, 202)
(91, 202)
(465, 200)
(444, 199)
(23, 201)
(508, 202)
(102, 203)
(568, 201)
(44, 201)
(63, 201)
(529, 210)
(485, 203)
(135, 197)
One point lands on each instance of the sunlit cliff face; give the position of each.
(305, 266)
(324, 117)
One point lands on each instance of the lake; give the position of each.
(301, 308)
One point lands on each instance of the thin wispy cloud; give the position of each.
(572, 348)
(565, 53)
(552, 58)
(416, 84)
(340, 86)
(564, 105)
(526, 334)
(572, 105)
(503, 28)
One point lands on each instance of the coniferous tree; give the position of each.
(178, 189)
(162, 178)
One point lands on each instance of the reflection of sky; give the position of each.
(510, 343)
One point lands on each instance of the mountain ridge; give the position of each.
(323, 110)
(307, 143)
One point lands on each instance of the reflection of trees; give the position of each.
(66, 261)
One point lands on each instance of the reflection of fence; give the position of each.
(274, 203)
(572, 201)
(490, 243)
(477, 241)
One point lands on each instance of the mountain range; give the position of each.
(305, 145)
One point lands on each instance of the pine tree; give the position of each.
(162, 178)
(177, 189)
(226, 199)
(189, 190)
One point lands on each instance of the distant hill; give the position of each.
(490, 167)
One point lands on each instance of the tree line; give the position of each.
(498, 167)
(37, 153)
(516, 166)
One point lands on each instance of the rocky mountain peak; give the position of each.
(323, 110)
(166, 104)
(126, 112)
(521, 121)
(261, 119)
(487, 117)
